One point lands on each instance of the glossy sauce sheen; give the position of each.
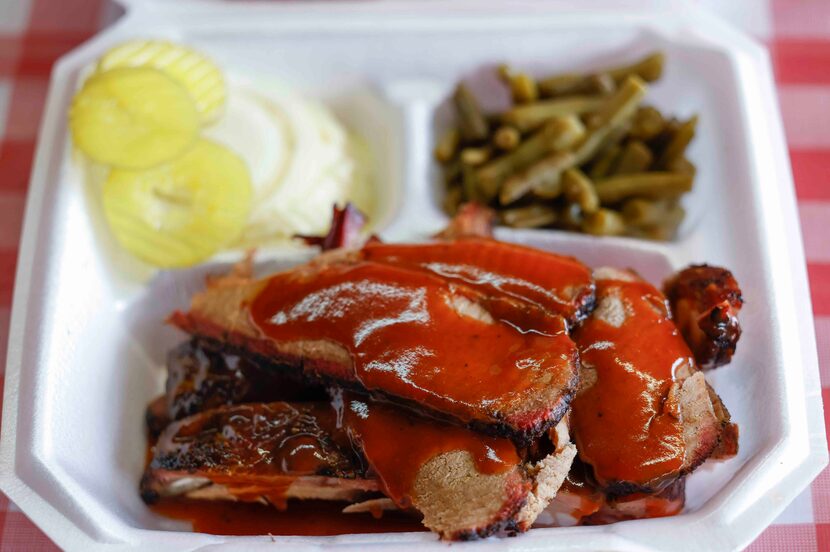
(276, 439)
(303, 517)
(623, 426)
(406, 336)
(558, 284)
(397, 443)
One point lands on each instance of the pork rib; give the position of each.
(403, 333)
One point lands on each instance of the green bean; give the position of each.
(651, 185)
(679, 141)
(604, 222)
(475, 156)
(523, 88)
(543, 178)
(453, 199)
(529, 116)
(470, 184)
(558, 134)
(506, 138)
(644, 212)
(447, 146)
(650, 68)
(452, 171)
(648, 123)
(622, 104)
(532, 216)
(605, 161)
(682, 165)
(473, 123)
(616, 110)
(635, 157)
(579, 189)
(665, 229)
(571, 216)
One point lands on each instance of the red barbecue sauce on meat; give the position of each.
(554, 283)
(623, 425)
(406, 336)
(397, 443)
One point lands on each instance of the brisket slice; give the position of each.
(705, 301)
(256, 452)
(644, 415)
(429, 344)
(201, 375)
(555, 284)
(277, 451)
(580, 502)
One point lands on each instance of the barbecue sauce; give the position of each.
(397, 443)
(555, 283)
(257, 449)
(421, 338)
(623, 422)
(302, 517)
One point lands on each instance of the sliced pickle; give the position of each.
(199, 75)
(180, 213)
(133, 118)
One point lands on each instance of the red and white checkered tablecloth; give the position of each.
(35, 33)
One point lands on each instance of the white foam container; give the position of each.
(87, 343)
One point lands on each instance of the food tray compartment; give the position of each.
(87, 346)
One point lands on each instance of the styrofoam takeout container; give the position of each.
(87, 341)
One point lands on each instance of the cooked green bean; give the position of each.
(605, 162)
(532, 216)
(523, 88)
(506, 138)
(569, 84)
(543, 178)
(469, 181)
(453, 199)
(532, 115)
(679, 141)
(650, 68)
(473, 123)
(616, 110)
(665, 229)
(476, 156)
(452, 172)
(620, 105)
(644, 212)
(579, 189)
(557, 134)
(651, 185)
(604, 222)
(447, 146)
(682, 165)
(635, 157)
(571, 216)
(648, 123)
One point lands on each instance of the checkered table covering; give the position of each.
(35, 33)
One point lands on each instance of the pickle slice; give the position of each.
(133, 118)
(196, 73)
(178, 214)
